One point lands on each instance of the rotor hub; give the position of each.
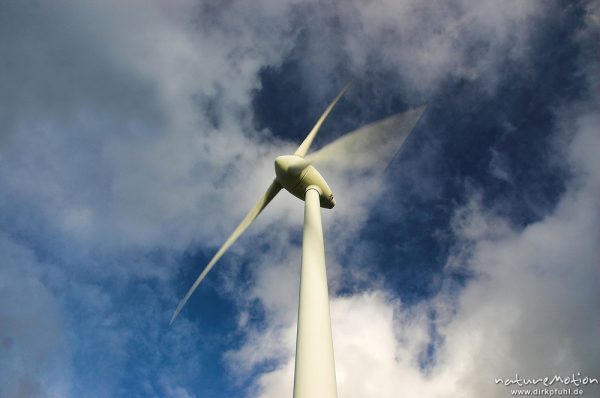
(295, 174)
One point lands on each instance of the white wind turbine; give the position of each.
(314, 375)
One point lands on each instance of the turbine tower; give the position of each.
(368, 147)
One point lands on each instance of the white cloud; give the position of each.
(108, 156)
(531, 308)
(421, 43)
(120, 154)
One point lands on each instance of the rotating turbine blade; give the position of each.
(273, 189)
(305, 146)
(369, 147)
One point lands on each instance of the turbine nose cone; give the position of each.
(290, 165)
(281, 168)
(278, 163)
(284, 175)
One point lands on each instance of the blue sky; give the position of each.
(135, 135)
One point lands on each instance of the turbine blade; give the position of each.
(305, 146)
(273, 189)
(369, 146)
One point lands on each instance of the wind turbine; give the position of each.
(314, 375)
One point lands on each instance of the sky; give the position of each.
(135, 135)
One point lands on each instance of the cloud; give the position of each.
(127, 141)
(118, 146)
(419, 44)
(530, 309)
(102, 149)
(33, 363)
(530, 306)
